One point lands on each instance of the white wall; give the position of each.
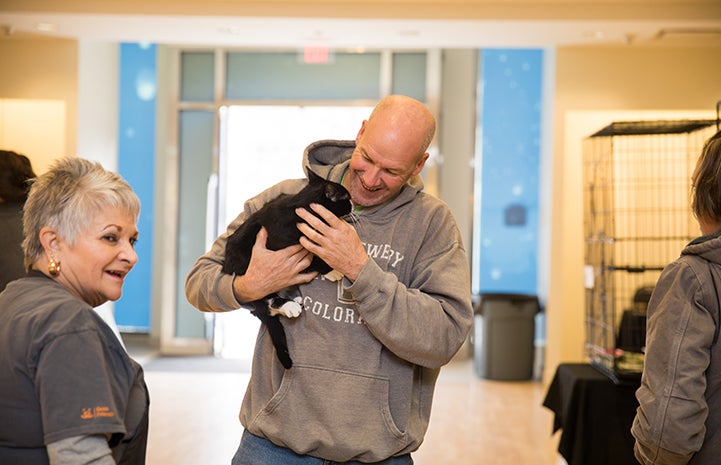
(97, 137)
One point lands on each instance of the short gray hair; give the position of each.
(67, 196)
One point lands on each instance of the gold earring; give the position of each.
(53, 267)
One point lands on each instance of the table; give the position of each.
(594, 414)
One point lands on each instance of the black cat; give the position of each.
(279, 219)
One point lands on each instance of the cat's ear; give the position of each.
(312, 177)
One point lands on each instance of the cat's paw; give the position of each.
(290, 309)
(333, 276)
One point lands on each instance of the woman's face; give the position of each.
(94, 267)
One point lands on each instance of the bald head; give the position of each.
(403, 120)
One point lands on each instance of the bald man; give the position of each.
(368, 348)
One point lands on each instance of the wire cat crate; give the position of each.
(637, 218)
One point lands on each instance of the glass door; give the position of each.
(261, 145)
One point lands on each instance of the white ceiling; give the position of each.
(243, 31)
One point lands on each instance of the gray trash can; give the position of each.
(503, 336)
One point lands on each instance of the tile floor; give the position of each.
(194, 408)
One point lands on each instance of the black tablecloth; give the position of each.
(594, 414)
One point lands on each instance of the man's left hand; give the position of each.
(336, 242)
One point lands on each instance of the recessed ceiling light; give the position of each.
(598, 35)
(45, 27)
(316, 35)
(232, 30)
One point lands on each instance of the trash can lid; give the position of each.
(514, 298)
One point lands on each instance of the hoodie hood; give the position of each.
(328, 158)
(706, 247)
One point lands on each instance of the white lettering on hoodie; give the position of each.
(345, 313)
(334, 313)
(384, 252)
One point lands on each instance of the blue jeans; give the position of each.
(258, 451)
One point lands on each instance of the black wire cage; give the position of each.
(637, 218)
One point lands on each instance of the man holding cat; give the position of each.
(360, 389)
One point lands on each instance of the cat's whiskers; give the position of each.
(352, 218)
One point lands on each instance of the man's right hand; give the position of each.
(270, 271)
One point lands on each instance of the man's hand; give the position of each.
(335, 241)
(270, 271)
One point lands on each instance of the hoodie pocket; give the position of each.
(334, 414)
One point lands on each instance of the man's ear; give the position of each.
(360, 131)
(419, 166)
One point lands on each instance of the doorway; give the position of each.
(261, 145)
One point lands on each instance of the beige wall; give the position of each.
(36, 74)
(613, 82)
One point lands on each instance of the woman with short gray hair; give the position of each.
(70, 394)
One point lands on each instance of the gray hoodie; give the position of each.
(366, 355)
(679, 415)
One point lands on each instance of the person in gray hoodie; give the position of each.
(368, 348)
(678, 420)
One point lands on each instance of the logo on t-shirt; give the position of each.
(96, 412)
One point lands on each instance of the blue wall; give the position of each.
(136, 163)
(509, 110)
